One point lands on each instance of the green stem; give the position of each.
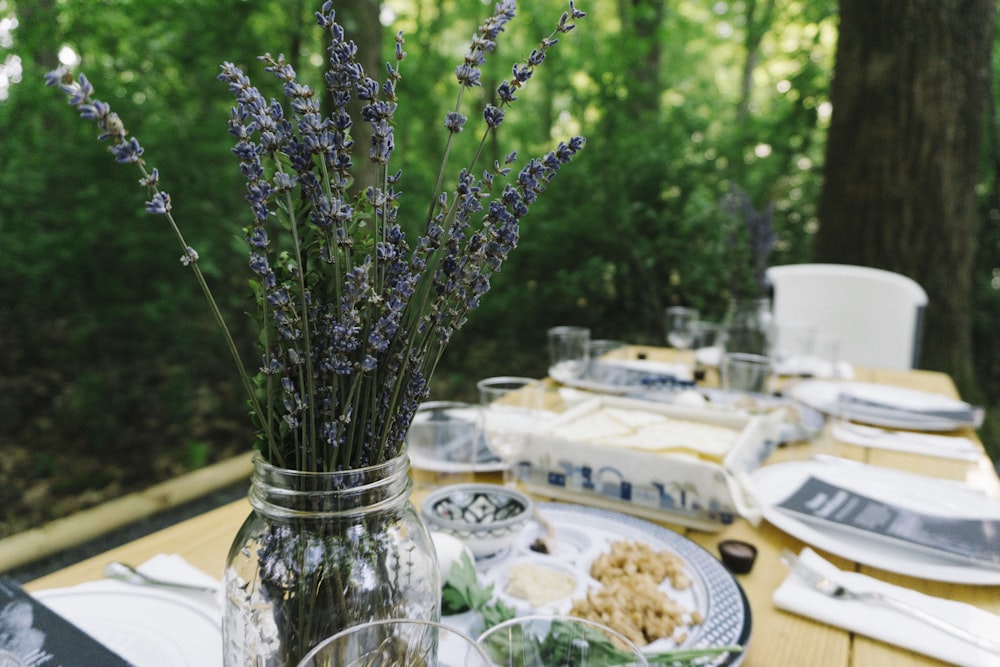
(221, 321)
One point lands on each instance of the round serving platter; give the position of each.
(582, 534)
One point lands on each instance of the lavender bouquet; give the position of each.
(353, 318)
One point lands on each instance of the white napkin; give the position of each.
(862, 397)
(886, 623)
(172, 567)
(944, 446)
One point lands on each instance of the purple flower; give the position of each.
(352, 318)
(467, 75)
(493, 115)
(159, 204)
(454, 121)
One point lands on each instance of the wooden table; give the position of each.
(778, 638)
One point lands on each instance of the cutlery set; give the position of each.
(832, 588)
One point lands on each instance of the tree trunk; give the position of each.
(361, 22)
(642, 19)
(912, 79)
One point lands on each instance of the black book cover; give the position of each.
(32, 635)
(964, 538)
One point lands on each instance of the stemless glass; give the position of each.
(512, 411)
(445, 443)
(745, 373)
(678, 325)
(569, 352)
(709, 343)
(397, 643)
(555, 641)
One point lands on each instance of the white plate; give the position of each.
(822, 395)
(431, 464)
(919, 493)
(627, 376)
(583, 533)
(147, 627)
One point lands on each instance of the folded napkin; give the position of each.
(885, 623)
(173, 568)
(879, 400)
(943, 446)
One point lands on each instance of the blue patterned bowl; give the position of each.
(486, 517)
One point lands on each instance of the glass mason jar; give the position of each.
(748, 325)
(322, 552)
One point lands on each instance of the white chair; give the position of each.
(875, 315)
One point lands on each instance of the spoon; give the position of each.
(128, 574)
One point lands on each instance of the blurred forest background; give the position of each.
(112, 374)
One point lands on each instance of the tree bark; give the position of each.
(911, 82)
(642, 20)
(361, 22)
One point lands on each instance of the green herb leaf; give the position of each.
(463, 592)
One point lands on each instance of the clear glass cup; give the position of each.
(605, 355)
(826, 351)
(678, 325)
(793, 348)
(397, 643)
(709, 343)
(446, 443)
(512, 412)
(569, 352)
(554, 641)
(745, 373)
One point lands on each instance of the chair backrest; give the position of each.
(876, 315)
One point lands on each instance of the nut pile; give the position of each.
(630, 600)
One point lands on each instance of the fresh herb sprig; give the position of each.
(462, 592)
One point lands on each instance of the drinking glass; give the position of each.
(792, 348)
(569, 352)
(603, 355)
(397, 643)
(555, 641)
(826, 351)
(709, 343)
(445, 442)
(678, 324)
(512, 411)
(745, 373)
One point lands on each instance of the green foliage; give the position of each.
(632, 226)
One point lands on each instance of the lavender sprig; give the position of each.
(127, 150)
(353, 320)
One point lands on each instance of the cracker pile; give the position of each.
(629, 599)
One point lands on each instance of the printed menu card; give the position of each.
(970, 539)
(32, 635)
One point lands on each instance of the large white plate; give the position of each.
(919, 493)
(822, 395)
(147, 627)
(627, 376)
(432, 464)
(585, 532)
(455, 458)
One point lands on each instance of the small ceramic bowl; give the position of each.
(487, 517)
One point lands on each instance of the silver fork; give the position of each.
(828, 586)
